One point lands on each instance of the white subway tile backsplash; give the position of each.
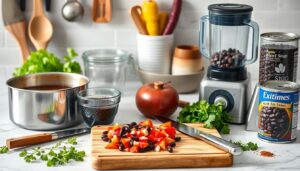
(278, 20)
(259, 5)
(190, 19)
(289, 5)
(2, 39)
(126, 4)
(9, 40)
(10, 56)
(126, 38)
(200, 5)
(120, 20)
(186, 37)
(272, 15)
(84, 38)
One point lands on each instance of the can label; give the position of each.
(278, 62)
(278, 115)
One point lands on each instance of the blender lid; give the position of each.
(230, 14)
(230, 8)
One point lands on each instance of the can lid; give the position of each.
(279, 36)
(282, 86)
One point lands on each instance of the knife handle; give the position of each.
(221, 143)
(28, 140)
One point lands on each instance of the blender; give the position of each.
(227, 79)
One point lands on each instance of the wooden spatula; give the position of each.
(14, 23)
(102, 11)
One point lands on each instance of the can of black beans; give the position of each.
(278, 111)
(278, 57)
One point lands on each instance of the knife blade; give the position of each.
(208, 138)
(44, 137)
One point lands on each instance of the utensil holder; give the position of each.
(155, 53)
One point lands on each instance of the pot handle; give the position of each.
(28, 140)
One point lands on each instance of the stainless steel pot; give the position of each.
(45, 109)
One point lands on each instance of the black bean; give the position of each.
(103, 135)
(172, 144)
(133, 124)
(225, 59)
(105, 132)
(149, 129)
(121, 147)
(151, 147)
(177, 139)
(274, 121)
(106, 139)
(170, 149)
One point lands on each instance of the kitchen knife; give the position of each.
(208, 138)
(14, 23)
(44, 137)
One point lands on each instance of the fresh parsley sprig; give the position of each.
(212, 115)
(249, 146)
(59, 154)
(3, 149)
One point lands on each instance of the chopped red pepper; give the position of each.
(141, 137)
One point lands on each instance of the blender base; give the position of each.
(233, 94)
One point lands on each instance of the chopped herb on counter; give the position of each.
(3, 149)
(72, 140)
(44, 61)
(250, 146)
(59, 154)
(212, 115)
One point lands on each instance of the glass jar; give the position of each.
(106, 67)
(229, 35)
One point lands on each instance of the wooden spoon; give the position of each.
(40, 28)
(135, 14)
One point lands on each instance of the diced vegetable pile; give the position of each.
(142, 137)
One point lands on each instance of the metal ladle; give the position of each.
(72, 10)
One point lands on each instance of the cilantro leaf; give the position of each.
(3, 149)
(250, 146)
(212, 115)
(59, 154)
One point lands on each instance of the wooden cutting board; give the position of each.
(188, 153)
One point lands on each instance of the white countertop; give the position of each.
(287, 155)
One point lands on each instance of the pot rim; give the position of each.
(8, 82)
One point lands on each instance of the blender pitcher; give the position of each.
(228, 36)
